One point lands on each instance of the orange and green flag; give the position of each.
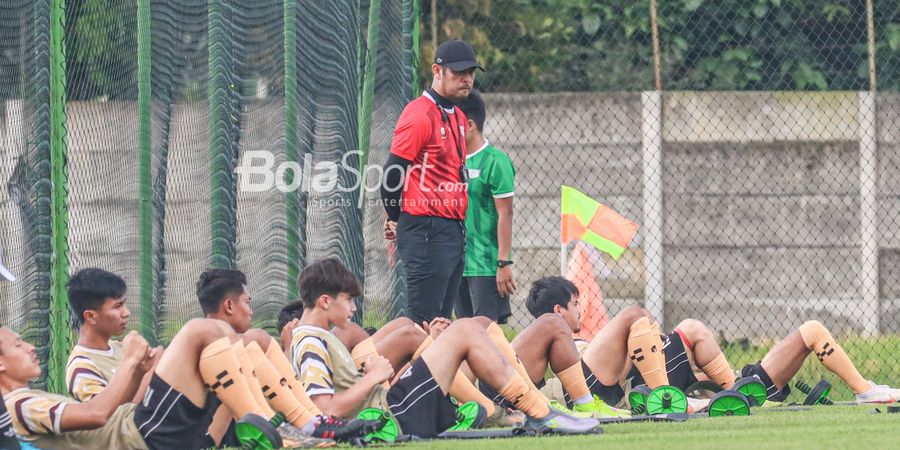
(594, 223)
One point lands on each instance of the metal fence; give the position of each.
(753, 141)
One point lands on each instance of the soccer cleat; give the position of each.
(330, 427)
(600, 409)
(879, 393)
(504, 418)
(292, 437)
(558, 422)
(565, 409)
(696, 405)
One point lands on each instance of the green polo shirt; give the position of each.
(491, 176)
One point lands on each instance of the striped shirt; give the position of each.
(89, 370)
(325, 367)
(581, 345)
(35, 412)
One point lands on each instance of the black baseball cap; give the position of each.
(457, 55)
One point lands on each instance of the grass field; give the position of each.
(821, 427)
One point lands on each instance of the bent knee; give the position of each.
(694, 330)
(633, 313)
(467, 325)
(259, 336)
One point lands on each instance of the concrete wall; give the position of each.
(761, 200)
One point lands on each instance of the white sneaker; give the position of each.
(696, 405)
(879, 393)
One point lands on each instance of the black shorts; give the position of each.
(166, 418)
(612, 395)
(681, 374)
(772, 392)
(478, 296)
(418, 403)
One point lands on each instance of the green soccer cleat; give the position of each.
(600, 409)
(562, 407)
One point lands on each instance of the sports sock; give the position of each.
(221, 371)
(499, 340)
(524, 398)
(283, 366)
(363, 351)
(275, 388)
(422, 347)
(574, 383)
(818, 339)
(464, 391)
(719, 371)
(660, 355)
(644, 347)
(240, 351)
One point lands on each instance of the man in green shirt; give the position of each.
(488, 277)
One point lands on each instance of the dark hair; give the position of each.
(326, 277)
(89, 288)
(289, 312)
(217, 284)
(549, 292)
(474, 109)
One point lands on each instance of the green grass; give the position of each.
(822, 427)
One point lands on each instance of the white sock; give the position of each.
(584, 399)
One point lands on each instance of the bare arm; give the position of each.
(120, 390)
(378, 370)
(154, 356)
(504, 226)
(506, 285)
(342, 403)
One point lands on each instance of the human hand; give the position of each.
(135, 348)
(506, 285)
(436, 327)
(287, 333)
(390, 229)
(151, 359)
(379, 368)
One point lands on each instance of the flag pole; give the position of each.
(562, 259)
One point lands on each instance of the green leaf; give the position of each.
(591, 24)
(760, 10)
(893, 35)
(692, 5)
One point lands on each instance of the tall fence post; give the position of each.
(651, 145)
(224, 119)
(60, 333)
(149, 319)
(294, 199)
(868, 207)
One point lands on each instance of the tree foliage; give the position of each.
(575, 45)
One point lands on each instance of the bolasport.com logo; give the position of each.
(258, 172)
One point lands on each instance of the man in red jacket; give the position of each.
(424, 191)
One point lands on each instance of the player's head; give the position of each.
(473, 108)
(555, 295)
(223, 295)
(454, 70)
(97, 300)
(291, 311)
(327, 286)
(18, 360)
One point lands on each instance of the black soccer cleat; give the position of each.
(330, 427)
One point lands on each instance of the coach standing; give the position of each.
(426, 201)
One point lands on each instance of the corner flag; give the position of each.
(597, 225)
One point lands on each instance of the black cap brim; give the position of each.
(461, 66)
